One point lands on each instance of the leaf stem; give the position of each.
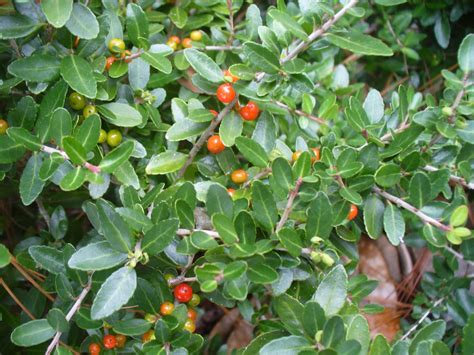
(289, 204)
(301, 113)
(207, 133)
(30, 279)
(399, 202)
(17, 301)
(423, 317)
(456, 179)
(92, 168)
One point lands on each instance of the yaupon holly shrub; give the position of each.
(156, 154)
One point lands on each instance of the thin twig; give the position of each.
(423, 317)
(458, 255)
(92, 168)
(301, 113)
(207, 133)
(319, 32)
(185, 232)
(75, 307)
(17, 301)
(453, 178)
(231, 22)
(264, 173)
(30, 279)
(289, 204)
(221, 48)
(180, 279)
(399, 202)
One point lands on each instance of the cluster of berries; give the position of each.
(174, 41)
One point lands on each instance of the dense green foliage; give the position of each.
(348, 119)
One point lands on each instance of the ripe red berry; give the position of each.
(108, 62)
(317, 154)
(250, 111)
(353, 213)
(109, 341)
(215, 145)
(192, 314)
(94, 349)
(183, 292)
(225, 93)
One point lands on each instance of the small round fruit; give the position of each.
(108, 62)
(231, 191)
(116, 45)
(225, 93)
(196, 35)
(174, 39)
(296, 155)
(317, 155)
(250, 111)
(166, 308)
(168, 277)
(190, 326)
(121, 340)
(183, 292)
(214, 112)
(230, 76)
(215, 145)
(94, 349)
(172, 45)
(148, 336)
(239, 176)
(114, 137)
(3, 126)
(77, 101)
(353, 212)
(89, 110)
(192, 314)
(110, 341)
(187, 42)
(152, 318)
(102, 136)
(195, 300)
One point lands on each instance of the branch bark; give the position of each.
(423, 317)
(289, 205)
(301, 113)
(207, 133)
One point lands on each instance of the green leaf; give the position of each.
(358, 329)
(32, 333)
(230, 128)
(30, 183)
(332, 291)
(73, 179)
(116, 157)
(114, 229)
(467, 132)
(313, 318)
(82, 22)
(88, 132)
(373, 216)
(120, 114)
(264, 206)
(260, 341)
(77, 72)
(459, 216)
(261, 273)
(390, 2)
(261, 58)
(225, 228)
(5, 256)
(333, 333)
(219, 201)
(178, 16)
(96, 256)
(61, 125)
(466, 54)
(290, 345)
(388, 175)
(132, 326)
(57, 12)
(359, 43)
(419, 189)
(57, 320)
(157, 61)
(165, 163)
(291, 312)
(320, 217)
(433, 331)
(374, 106)
(10, 150)
(53, 99)
(394, 224)
(160, 236)
(36, 68)
(204, 65)
(442, 30)
(252, 151)
(137, 24)
(17, 26)
(185, 129)
(288, 23)
(379, 346)
(74, 150)
(467, 339)
(291, 241)
(282, 173)
(235, 269)
(25, 138)
(203, 241)
(114, 293)
(48, 258)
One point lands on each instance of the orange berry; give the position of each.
(296, 155)
(353, 212)
(108, 62)
(148, 336)
(190, 326)
(166, 308)
(225, 93)
(317, 154)
(192, 314)
(250, 111)
(214, 112)
(215, 145)
(3, 126)
(231, 191)
(110, 342)
(174, 39)
(239, 176)
(229, 76)
(94, 349)
(187, 42)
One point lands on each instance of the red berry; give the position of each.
(231, 191)
(250, 111)
(353, 213)
(214, 112)
(192, 314)
(183, 292)
(109, 341)
(215, 145)
(94, 349)
(225, 93)
(109, 61)
(317, 154)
